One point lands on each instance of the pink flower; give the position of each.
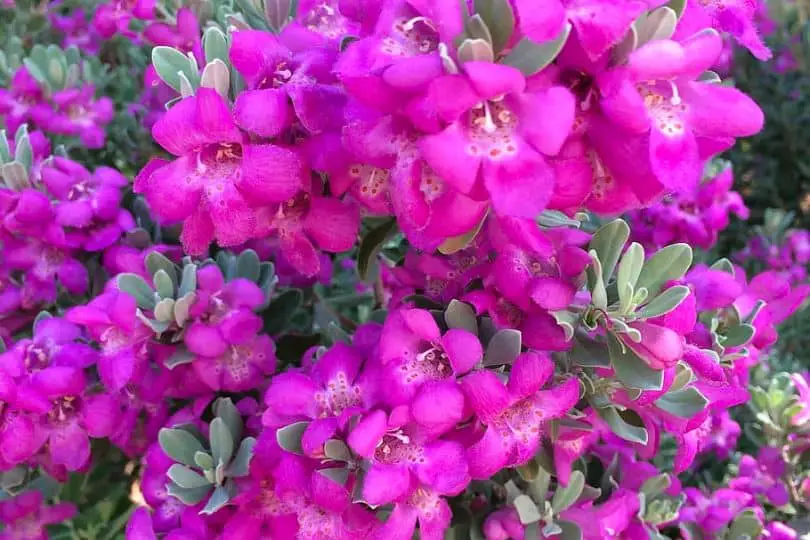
(218, 179)
(26, 516)
(513, 417)
(401, 458)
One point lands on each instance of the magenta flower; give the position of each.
(111, 319)
(693, 218)
(73, 416)
(763, 476)
(55, 343)
(283, 86)
(299, 225)
(383, 170)
(17, 101)
(413, 352)
(184, 35)
(599, 24)
(656, 100)
(735, 17)
(77, 113)
(401, 459)
(224, 334)
(423, 506)
(329, 394)
(114, 17)
(27, 516)
(713, 513)
(513, 417)
(496, 126)
(217, 180)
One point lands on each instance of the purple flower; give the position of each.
(27, 516)
(763, 476)
(712, 514)
(331, 392)
(513, 417)
(283, 86)
(184, 35)
(735, 17)
(75, 112)
(218, 179)
(656, 100)
(224, 334)
(111, 319)
(17, 101)
(599, 24)
(497, 126)
(414, 352)
(401, 458)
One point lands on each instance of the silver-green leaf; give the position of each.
(221, 441)
(179, 444)
(667, 264)
(530, 57)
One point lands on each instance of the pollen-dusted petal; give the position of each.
(488, 455)
(674, 156)
(530, 371)
(445, 468)
(520, 187)
(450, 154)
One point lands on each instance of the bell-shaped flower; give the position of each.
(514, 416)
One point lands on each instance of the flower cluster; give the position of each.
(48, 91)
(694, 218)
(56, 214)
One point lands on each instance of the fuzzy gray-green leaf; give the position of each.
(180, 445)
(185, 477)
(135, 286)
(219, 498)
(247, 265)
(630, 369)
(565, 496)
(189, 496)
(531, 57)
(665, 302)
(289, 437)
(499, 18)
(608, 242)
(156, 261)
(221, 441)
(503, 348)
(461, 315)
(225, 409)
(667, 264)
(527, 509)
(215, 45)
(684, 403)
(621, 427)
(240, 466)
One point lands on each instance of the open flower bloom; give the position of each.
(329, 394)
(497, 135)
(413, 352)
(658, 100)
(401, 459)
(513, 417)
(218, 179)
(26, 516)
